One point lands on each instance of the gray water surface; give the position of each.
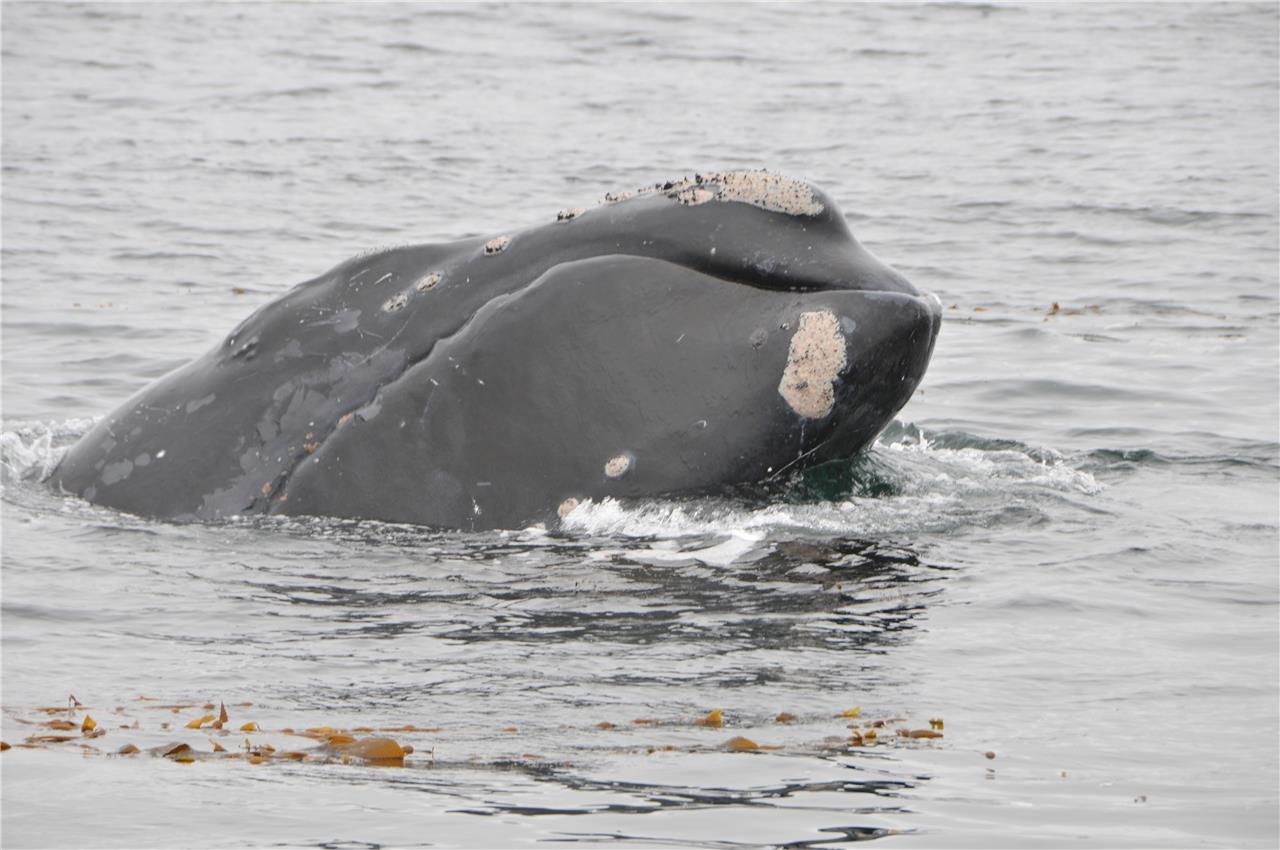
(1066, 547)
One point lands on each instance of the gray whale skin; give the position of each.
(709, 331)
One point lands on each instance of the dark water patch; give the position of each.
(657, 797)
(1173, 216)
(980, 9)
(698, 608)
(700, 56)
(84, 330)
(298, 92)
(106, 13)
(118, 102)
(28, 252)
(1074, 259)
(116, 66)
(349, 69)
(14, 612)
(125, 362)
(164, 255)
(414, 47)
(1234, 451)
(1103, 338)
(882, 53)
(1055, 388)
(73, 205)
(307, 56)
(846, 834)
(1116, 459)
(1128, 241)
(349, 598)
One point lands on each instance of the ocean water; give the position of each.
(1066, 549)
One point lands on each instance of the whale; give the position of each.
(688, 337)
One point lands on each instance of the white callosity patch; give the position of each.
(694, 195)
(618, 466)
(815, 360)
(428, 282)
(497, 244)
(396, 303)
(567, 507)
(772, 192)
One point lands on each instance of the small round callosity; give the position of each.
(396, 303)
(567, 507)
(428, 282)
(569, 213)
(497, 245)
(619, 465)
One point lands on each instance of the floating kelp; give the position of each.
(715, 719)
(374, 745)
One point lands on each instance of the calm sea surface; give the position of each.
(1066, 548)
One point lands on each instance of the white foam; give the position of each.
(933, 489)
(972, 468)
(33, 449)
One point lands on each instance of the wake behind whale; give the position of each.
(716, 330)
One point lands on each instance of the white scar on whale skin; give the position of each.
(815, 360)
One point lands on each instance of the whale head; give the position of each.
(706, 332)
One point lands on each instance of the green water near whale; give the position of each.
(1067, 546)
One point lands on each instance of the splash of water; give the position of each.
(30, 450)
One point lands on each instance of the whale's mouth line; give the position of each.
(763, 279)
